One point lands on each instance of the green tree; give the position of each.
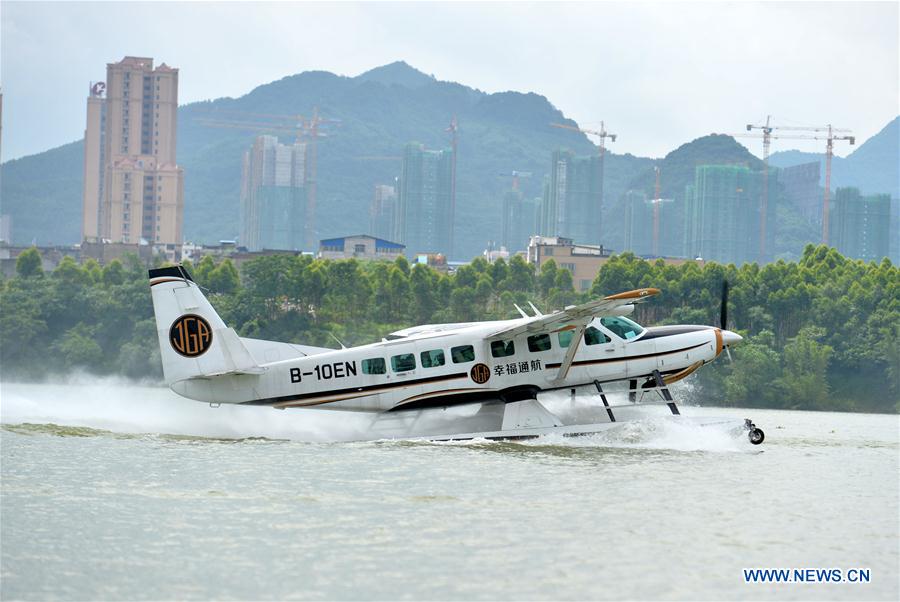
(422, 285)
(113, 274)
(224, 279)
(806, 370)
(755, 371)
(203, 271)
(79, 349)
(28, 264)
(547, 278)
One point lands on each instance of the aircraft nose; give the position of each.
(731, 338)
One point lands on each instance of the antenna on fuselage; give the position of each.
(537, 312)
(338, 341)
(521, 311)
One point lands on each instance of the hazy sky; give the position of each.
(658, 74)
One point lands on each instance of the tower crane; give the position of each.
(453, 128)
(303, 128)
(764, 206)
(515, 175)
(602, 134)
(827, 132)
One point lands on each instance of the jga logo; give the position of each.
(190, 335)
(480, 373)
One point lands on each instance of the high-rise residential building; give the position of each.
(424, 213)
(860, 226)
(520, 220)
(381, 213)
(722, 214)
(573, 196)
(273, 196)
(133, 187)
(639, 217)
(800, 184)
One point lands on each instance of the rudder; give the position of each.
(193, 340)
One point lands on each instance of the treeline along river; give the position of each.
(822, 333)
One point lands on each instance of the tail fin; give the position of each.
(194, 342)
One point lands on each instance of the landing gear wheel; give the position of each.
(756, 435)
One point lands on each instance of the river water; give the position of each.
(116, 492)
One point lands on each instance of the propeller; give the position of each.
(723, 315)
(723, 311)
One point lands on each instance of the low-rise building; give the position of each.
(583, 261)
(50, 257)
(361, 246)
(104, 251)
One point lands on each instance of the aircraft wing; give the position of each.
(576, 318)
(613, 305)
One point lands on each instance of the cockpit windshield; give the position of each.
(622, 327)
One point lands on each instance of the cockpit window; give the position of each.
(622, 327)
(592, 336)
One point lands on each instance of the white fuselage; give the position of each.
(348, 379)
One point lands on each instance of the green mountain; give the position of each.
(874, 167)
(376, 114)
(43, 194)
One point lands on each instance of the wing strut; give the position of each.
(577, 335)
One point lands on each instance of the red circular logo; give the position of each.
(480, 373)
(190, 335)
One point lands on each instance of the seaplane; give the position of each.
(446, 381)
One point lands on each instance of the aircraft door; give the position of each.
(609, 349)
(404, 372)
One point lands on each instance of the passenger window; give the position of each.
(502, 348)
(433, 358)
(592, 336)
(565, 338)
(374, 365)
(539, 342)
(622, 327)
(403, 363)
(463, 354)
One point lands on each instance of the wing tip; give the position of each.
(639, 293)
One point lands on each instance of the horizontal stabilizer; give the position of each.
(236, 355)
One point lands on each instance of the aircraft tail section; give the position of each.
(194, 342)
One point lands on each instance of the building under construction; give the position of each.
(520, 221)
(860, 226)
(800, 184)
(573, 195)
(273, 196)
(639, 216)
(382, 212)
(424, 215)
(722, 214)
